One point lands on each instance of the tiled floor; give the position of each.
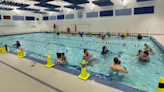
(17, 75)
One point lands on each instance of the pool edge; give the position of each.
(109, 83)
(160, 46)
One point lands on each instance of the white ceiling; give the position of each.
(57, 2)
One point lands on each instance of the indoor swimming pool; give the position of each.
(37, 45)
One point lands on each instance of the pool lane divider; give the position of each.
(93, 77)
(77, 40)
(119, 54)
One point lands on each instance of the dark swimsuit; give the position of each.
(104, 52)
(17, 45)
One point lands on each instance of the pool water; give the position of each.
(37, 45)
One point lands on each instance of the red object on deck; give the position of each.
(75, 28)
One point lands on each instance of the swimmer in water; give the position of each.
(58, 60)
(17, 45)
(148, 48)
(139, 53)
(144, 57)
(57, 33)
(105, 51)
(119, 62)
(117, 69)
(103, 37)
(64, 57)
(123, 36)
(88, 57)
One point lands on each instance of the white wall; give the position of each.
(22, 25)
(139, 23)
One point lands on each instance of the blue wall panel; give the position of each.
(45, 18)
(123, 12)
(143, 0)
(60, 16)
(92, 14)
(106, 13)
(0, 17)
(30, 18)
(144, 10)
(70, 16)
(52, 17)
(18, 17)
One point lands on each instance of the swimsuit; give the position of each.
(144, 59)
(64, 57)
(58, 61)
(104, 52)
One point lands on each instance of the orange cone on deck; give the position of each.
(84, 74)
(161, 85)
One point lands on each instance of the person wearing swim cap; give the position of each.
(148, 48)
(88, 57)
(144, 57)
(105, 51)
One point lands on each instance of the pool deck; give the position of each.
(18, 75)
(27, 75)
(159, 38)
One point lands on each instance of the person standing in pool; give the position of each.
(116, 67)
(123, 36)
(103, 37)
(17, 45)
(139, 36)
(148, 48)
(117, 70)
(58, 60)
(144, 57)
(64, 57)
(105, 51)
(88, 57)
